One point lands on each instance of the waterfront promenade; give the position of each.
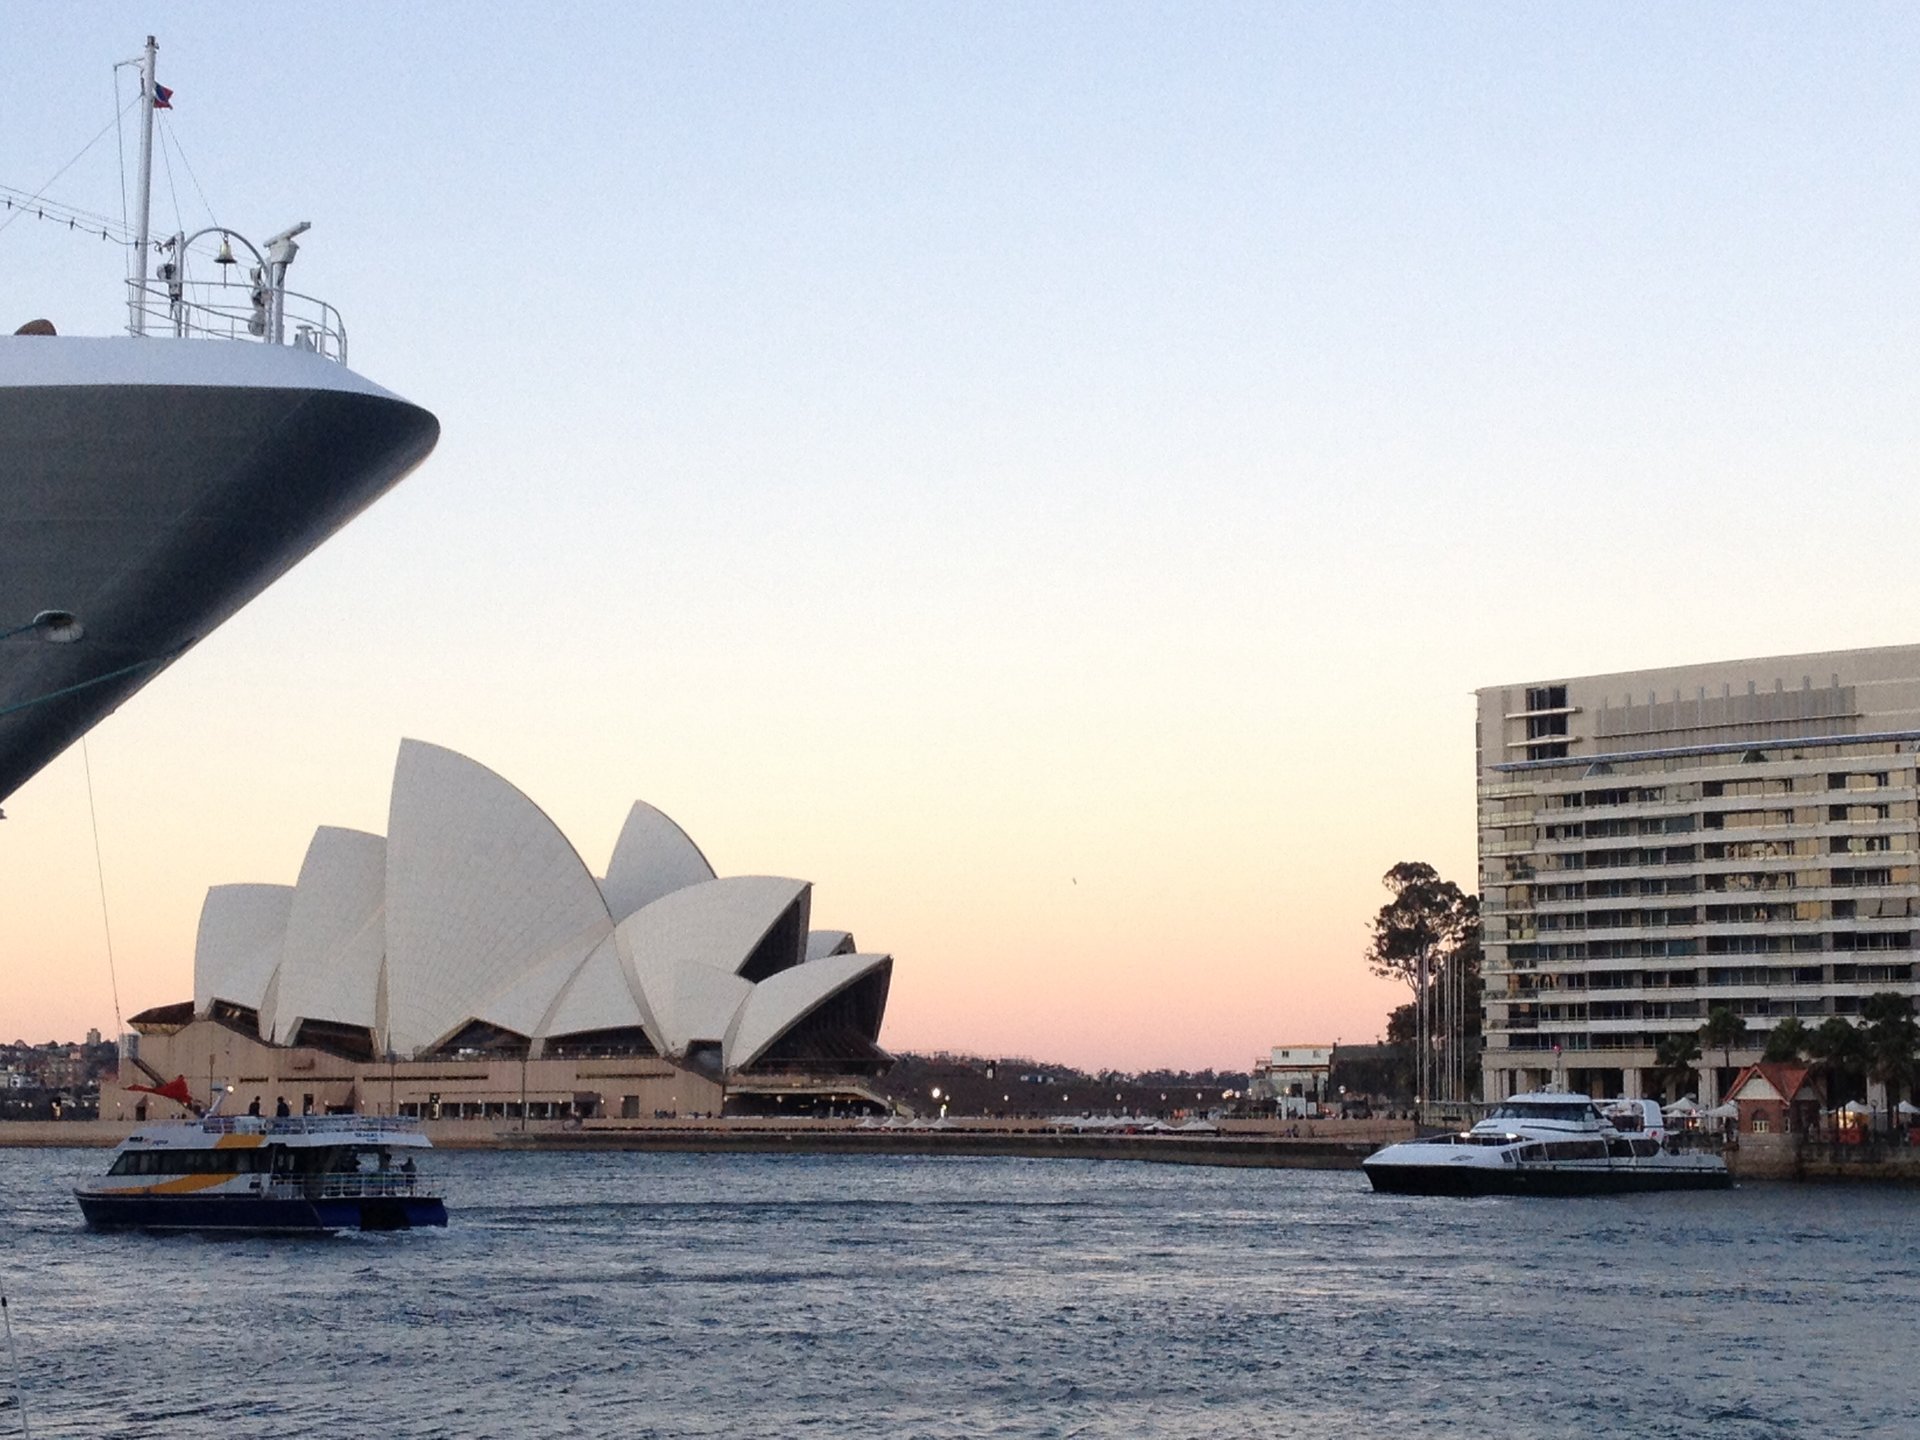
(1305, 1145)
(1260, 1144)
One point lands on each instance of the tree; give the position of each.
(1460, 978)
(1415, 927)
(1889, 1039)
(1837, 1050)
(1677, 1057)
(1722, 1032)
(1403, 1032)
(1426, 924)
(1787, 1041)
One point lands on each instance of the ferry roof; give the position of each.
(220, 1132)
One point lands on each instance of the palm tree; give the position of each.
(1722, 1032)
(1890, 1039)
(1787, 1041)
(1677, 1057)
(1835, 1048)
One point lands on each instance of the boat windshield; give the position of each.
(1543, 1110)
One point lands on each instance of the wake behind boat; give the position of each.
(312, 1173)
(1549, 1143)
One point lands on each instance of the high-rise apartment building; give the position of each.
(1660, 843)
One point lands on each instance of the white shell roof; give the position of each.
(479, 884)
(717, 923)
(475, 907)
(652, 857)
(690, 1001)
(822, 943)
(335, 936)
(523, 1002)
(238, 947)
(598, 997)
(781, 1001)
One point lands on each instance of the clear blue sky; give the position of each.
(1049, 474)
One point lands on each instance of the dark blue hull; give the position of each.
(257, 1213)
(1538, 1180)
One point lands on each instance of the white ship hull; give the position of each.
(1548, 1143)
(1417, 1168)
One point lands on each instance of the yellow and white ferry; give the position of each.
(297, 1173)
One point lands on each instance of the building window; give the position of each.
(1547, 697)
(1761, 1125)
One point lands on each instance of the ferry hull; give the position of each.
(260, 1215)
(1538, 1180)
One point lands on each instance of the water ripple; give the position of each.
(722, 1296)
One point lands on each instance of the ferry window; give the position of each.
(1578, 1150)
(1543, 1112)
(123, 1165)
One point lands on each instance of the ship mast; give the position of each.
(136, 301)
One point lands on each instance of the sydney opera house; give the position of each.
(469, 965)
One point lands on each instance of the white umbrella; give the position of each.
(1908, 1108)
(1685, 1105)
(1854, 1107)
(1725, 1111)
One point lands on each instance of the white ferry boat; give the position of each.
(300, 1173)
(1548, 1143)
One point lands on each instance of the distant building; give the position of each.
(1776, 1099)
(1293, 1078)
(1658, 843)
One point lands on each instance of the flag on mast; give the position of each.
(162, 97)
(175, 1089)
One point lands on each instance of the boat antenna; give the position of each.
(13, 1362)
(136, 302)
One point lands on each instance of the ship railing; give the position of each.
(380, 1185)
(231, 310)
(309, 1125)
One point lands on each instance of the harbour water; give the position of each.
(683, 1295)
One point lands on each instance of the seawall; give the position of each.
(1250, 1151)
(1790, 1157)
(1246, 1145)
(63, 1134)
(1262, 1146)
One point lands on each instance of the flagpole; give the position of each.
(137, 300)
